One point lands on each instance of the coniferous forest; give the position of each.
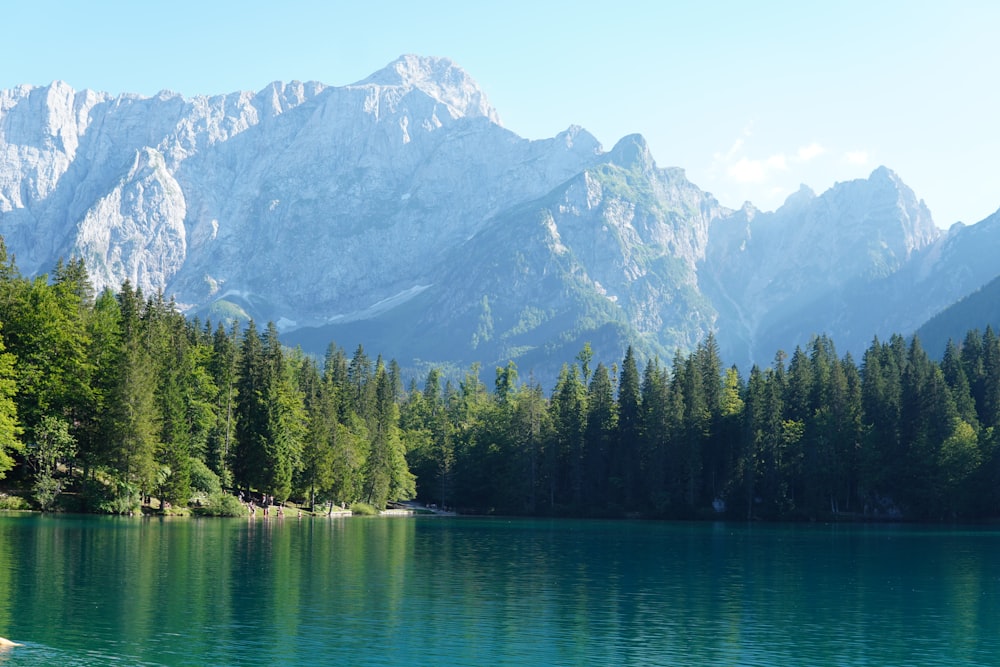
(108, 399)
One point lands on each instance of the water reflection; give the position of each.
(94, 591)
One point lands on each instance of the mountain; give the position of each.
(780, 277)
(965, 258)
(976, 311)
(609, 256)
(398, 212)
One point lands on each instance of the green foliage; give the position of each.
(114, 497)
(9, 428)
(203, 478)
(227, 311)
(363, 509)
(124, 396)
(52, 444)
(221, 504)
(12, 502)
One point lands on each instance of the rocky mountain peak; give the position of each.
(440, 79)
(632, 151)
(884, 174)
(397, 212)
(800, 197)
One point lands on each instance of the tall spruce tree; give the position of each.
(386, 475)
(132, 420)
(625, 458)
(249, 454)
(599, 436)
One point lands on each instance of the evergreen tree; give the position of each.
(286, 420)
(316, 474)
(989, 401)
(697, 420)
(222, 367)
(249, 454)
(132, 419)
(386, 475)
(599, 436)
(170, 347)
(716, 450)
(104, 350)
(778, 438)
(565, 457)
(362, 389)
(731, 431)
(958, 384)
(531, 430)
(654, 439)
(625, 456)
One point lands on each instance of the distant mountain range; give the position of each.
(399, 213)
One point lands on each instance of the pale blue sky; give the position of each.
(751, 98)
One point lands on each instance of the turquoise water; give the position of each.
(439, 591)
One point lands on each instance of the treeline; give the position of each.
(810, 436)
(121, 397)
(123, 394)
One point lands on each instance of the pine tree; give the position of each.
(566, 456)
(750, 467)
(696, 429)
(715, 449)
(989, 402)
(531, 430)
(625, 456)
(286, 420)
(132, 420)
(731, 432)
(316, 473)
(599, 436)
(222, 367)
(386, 475)
(170, 347)
(958, 384)
(249, 453)
(362, 389)
(654, 439)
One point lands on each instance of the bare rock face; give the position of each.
(136, 231)
(355, 188)
(398, 211)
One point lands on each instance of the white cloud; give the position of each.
(811, 151)
(856, 157)
(776, 162)
(747, 171)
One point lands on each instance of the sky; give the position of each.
(751, 99)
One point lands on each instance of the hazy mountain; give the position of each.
(780, 277)
(399, 212)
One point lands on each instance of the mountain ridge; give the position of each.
(400, 203)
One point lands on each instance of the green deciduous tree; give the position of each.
(10, 443)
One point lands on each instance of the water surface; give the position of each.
(437, 591)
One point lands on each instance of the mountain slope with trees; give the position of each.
(399, 212)
(116, 397)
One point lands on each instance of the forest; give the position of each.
(109, 399)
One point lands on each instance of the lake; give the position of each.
(463, 591)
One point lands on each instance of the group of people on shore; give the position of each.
(266, 505)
